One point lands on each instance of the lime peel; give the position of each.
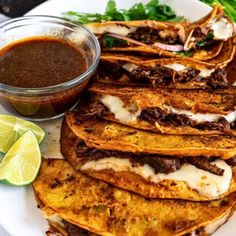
(21, 163)
(11, 128)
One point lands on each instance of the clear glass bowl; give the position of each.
(46, 103)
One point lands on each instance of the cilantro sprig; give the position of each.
(204, 41)
(153, 10)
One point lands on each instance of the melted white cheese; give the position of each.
(234, 84)
(130, 67)
(206, 72)
(176, 67)
(121, 113)
(131, 113)
(179, 67)
(204, 182)
(55, 218)
(200, 118)
(107, 28)
(193, 233)
(222, 28)
(211, 228)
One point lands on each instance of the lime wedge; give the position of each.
(21, 163)
(11, 128)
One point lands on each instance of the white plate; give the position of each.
(18, 211)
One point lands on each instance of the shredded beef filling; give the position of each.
(218, 79)
(161, 75)
(202, 36)
(156, 114)
(204, 164)
(93, 109)
(161, 164)
(74, 230)
(112, 70)
(200, 33)
(231, 161)
(233, 125)
(151, 35)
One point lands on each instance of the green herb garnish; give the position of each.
(153, 10)
(229, 6)
(203, 42)
(183, 53)
(112, 42)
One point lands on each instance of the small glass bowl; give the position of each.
(47, 103)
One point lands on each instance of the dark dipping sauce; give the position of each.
(40, 62)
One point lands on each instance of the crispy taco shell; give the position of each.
(168, 33)
(112, 136)
(221, 102)
(225, 56)
(167, 189)
(58, 230)
(231, 72)
(106, 210)
(217, 10)
(188, 74)
(205, 55)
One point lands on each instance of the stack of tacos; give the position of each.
(151, 147)
(202, 40)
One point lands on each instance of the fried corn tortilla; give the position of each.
(202, 40)
(231, 72)
(68, 230)
(106, 210)
(57, 225)
(204, 55)
(161, 110)
(177, 73)
(112, 136)
(226, 54)
(171, 188)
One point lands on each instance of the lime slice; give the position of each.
(21, 163)
(11, 128)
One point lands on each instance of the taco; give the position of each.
(112, 136)
(177, 73)
(161, 110)
(201, 40)
(106, 210)
(114, 153)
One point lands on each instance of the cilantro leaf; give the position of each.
(203, 42)
(113, 42)
(153, 10)
(183, 53)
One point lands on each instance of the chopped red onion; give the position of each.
(167, 47)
